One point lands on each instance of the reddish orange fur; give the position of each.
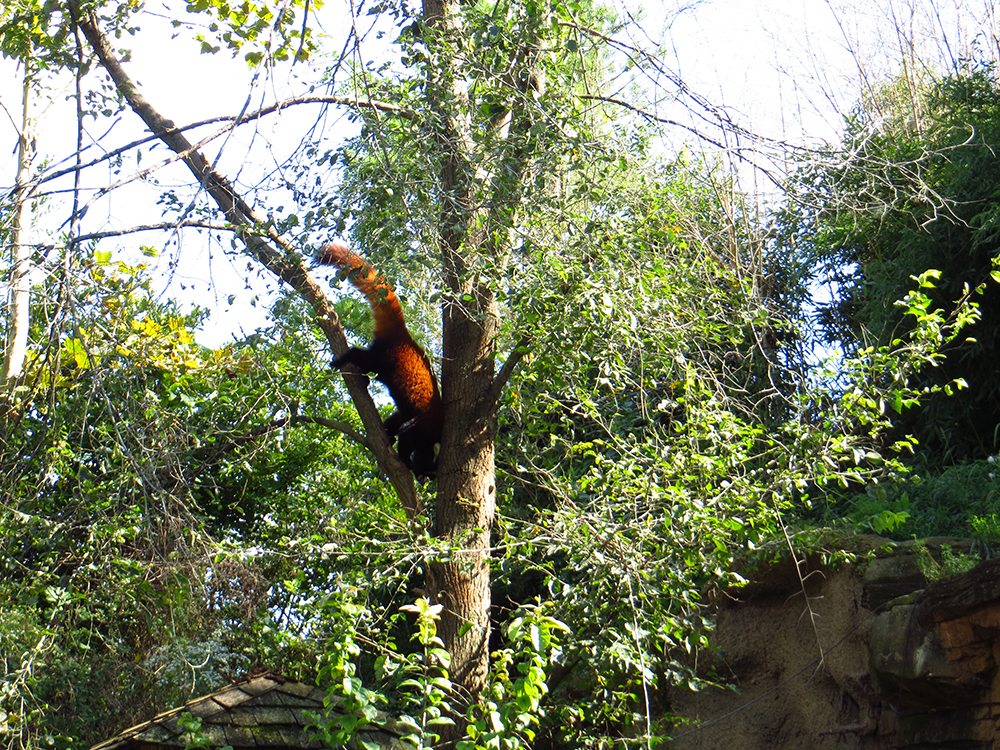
(385, 304)
(398, 361)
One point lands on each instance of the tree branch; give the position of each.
(514, 358)
(333, 424)
(165, 225)
(292, 419)
(232, 443)
(233, 120)
(279, 256)
(737, 152)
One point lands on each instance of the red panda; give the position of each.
(397, 361)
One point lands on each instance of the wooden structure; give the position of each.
(263, 712)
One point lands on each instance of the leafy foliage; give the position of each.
(910, 190)
(958, 501)
(173, 517)
(154, 491)
(263, 32)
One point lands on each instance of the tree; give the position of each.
(501, 93)
(20, 253)
(910, 191)
(652, 441)
(36, 53)
(476, 207)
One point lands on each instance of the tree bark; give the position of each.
(466, 505)
(19, 306)
(466, 501)
(473, 242)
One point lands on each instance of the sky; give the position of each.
(784, 69)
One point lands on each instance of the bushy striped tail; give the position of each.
(385, 305)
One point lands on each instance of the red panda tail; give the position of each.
(386, 309)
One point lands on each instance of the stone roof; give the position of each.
(262, 712)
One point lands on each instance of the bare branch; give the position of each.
(243, 119)
(737, 152)
(232, 443)
(264, 244)
(699, 107)
(333, 424)
(162, 226)
(291, 419)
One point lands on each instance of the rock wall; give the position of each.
(862, 657)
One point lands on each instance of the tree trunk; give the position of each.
(466, 501)
(19, 309)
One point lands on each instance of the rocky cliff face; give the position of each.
(863, 657)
